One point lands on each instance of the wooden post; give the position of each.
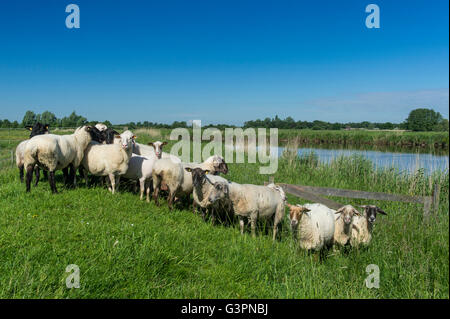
(436, 193)
(427, 202)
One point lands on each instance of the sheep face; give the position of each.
(370, 211)
(295, 214)
(220, 192)
(96, 134)
(37, 129)
(198, 175)
(219, 165)
(157, 146)
(347, 212)
(126, 139)
(108, 135)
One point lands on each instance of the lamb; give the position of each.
(314, 224)
(363, 226)
(53, 152)
(141, 167)
(37, 129)
(251, 202)
(109, 159)
(179, 181)
(344, 224)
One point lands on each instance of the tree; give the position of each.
(48, 118)
(29, 118)
(423, 120)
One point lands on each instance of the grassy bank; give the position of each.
(131, 249)
(373, 138)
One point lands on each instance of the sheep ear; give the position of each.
(379, 210)
(356, 212)
(46, 126)
(164, 143)
(134, 137)
(30, 128)
(188, 169)
(206, 171)
(117, 136)
(115, 132)
(363, 206)
(339, 210)
(151, 143)
(305, 210)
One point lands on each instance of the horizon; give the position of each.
(224, 63)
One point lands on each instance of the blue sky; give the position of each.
(224, 61)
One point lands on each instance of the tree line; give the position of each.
(421, 119)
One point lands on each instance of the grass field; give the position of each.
(131, 249)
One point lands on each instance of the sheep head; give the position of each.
(157, 146)
(198, 175)
(37, 129)
(370, 212)
(96, 134)
(295, 214)
(219, 165)
(347, 212)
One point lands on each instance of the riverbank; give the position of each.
(422, 140)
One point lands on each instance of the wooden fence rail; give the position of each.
(311, 193)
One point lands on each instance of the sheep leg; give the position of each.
(45, 174)
(30, 169)
(278, 217)
(141, 188)
(170, 201)
(148, 194)
(72, 176)
(117, 182)
(37, 173)
(65, 171)
(52, 182)
(241, 224)
(21, 169)
(253, 226)
(113, 183)
(156, 186)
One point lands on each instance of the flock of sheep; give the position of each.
(101, 151)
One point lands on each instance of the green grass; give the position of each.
(131, 249)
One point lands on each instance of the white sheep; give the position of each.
(141, 168)
(53, 152)
(363, 225)
(251, 202)
(109, 159)
(313, 224)
(179, 181)
(344, 224)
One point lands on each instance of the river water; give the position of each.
(409, 161)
